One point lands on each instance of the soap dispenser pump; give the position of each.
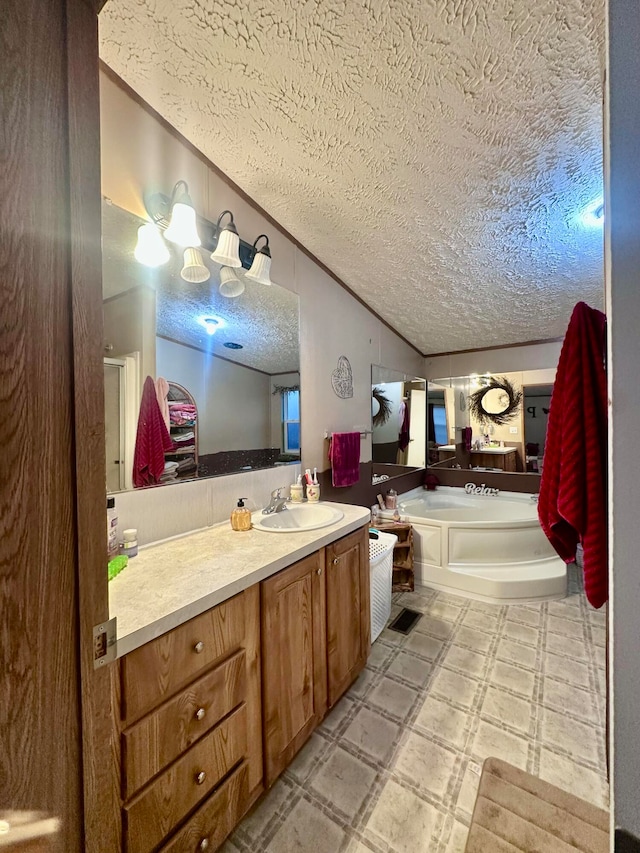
(241, 517)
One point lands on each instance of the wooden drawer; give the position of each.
(165, 802)
(154, 742)
(216, 818)
(158, 669)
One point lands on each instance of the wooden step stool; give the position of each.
(516, 811)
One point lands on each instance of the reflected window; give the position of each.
(439, 416)
(291, 421)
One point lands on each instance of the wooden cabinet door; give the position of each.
(348, 611)
(294, 663)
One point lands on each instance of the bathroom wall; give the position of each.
(245, 424)
(140, 153)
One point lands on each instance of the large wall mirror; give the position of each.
(489, 422)
(398, 425)
(231, 364)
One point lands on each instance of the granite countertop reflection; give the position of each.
(170, 582)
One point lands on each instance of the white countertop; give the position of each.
(500, 451)
(170, 582)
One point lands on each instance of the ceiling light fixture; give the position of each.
(592, 216)
(230, 285)
(232, 345)
(182, 225)
(151, 250)
(261, 264)
(227, 250)
(211, 324)
(194, 271)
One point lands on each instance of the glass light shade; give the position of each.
(227, 251)
(194, 271)
(230, 284)
(182, 227)
(260, 268)
(151, 249)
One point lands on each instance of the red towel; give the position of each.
(152, 439)
(344, 456)
(572, 506)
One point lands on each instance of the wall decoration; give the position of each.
(462, 402)
(381, 407)
(496, 403)
(342, 379)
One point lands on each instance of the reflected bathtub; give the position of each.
(483, 546)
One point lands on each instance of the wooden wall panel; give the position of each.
(39, 712)
(49, 297)
(102, 829)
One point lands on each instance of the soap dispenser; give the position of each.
(241, 517)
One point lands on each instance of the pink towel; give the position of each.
(152, 439)
(162, 389)
(344, 456)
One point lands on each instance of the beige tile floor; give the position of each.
(395, 766)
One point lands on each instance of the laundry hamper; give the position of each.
(381, 567)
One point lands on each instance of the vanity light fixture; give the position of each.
(177, 218)
(227, 251)
(151, 250)
(230, 285)
(261, 263)
(182, 224)
(194, 271)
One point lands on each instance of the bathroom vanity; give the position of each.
(232, 648)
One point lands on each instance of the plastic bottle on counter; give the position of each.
(112, 529)
(241, 517)
(129, 545)
(391, 499)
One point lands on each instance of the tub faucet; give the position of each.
(276, 502)
(534, 498)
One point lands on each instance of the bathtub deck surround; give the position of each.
(396, 764)
(485, 545)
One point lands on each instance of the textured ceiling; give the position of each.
(264, 320)
(435, 154)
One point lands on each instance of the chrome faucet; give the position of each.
(534, 498)
(276, 502)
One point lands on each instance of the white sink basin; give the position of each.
(297, 517)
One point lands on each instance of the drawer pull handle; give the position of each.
(204, 844)
(200, 777)
(199, 647)
(200, 714)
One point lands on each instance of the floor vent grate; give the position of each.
(405, 620)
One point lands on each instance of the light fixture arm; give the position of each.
(265, 250)
(174, 192)
(231, 226)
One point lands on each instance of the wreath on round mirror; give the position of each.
(496, 402)
(380, 407)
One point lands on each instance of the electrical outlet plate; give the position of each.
(513, 430)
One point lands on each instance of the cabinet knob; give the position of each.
(200, 714)
(200, 777)
(318, 571)
(204, 844)
(199, 647)
(336, 560)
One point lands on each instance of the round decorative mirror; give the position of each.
(497, 402)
